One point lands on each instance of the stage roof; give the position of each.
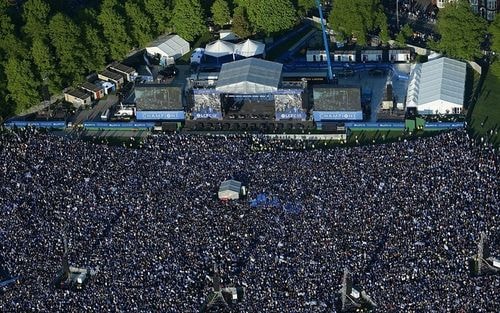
(327, 98)
(249, 76)
(158, 97)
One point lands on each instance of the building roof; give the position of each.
(328, 98)
(440, 79)
(158, 97)
(219, 48)
(90, 86)
(249, 48)
(249, 76)
(112, 75)
(122, 68)
(171, 45)
(78, 93)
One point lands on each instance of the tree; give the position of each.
(462, 32)
(241, 26)
(356, 19)
(494, 30)
(188, 19)
(36, 17)
(220, 12)
(10, 45)
(272, 16)
(112, 20)
(45, 63)
(160, 10)
(140, 24)
(22, 88)
(66, 39)
(401, 39)
(305, 6)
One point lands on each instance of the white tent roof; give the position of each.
(249, 48)
(219, 48)
(249, 76)
(440, 79)
(171, 45)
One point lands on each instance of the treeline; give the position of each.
(46, 46)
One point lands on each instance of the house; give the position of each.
(105, 85)
(437, 87)
(129, 73)
(168, 49)
(96, 91)
(78, 97)
(114, 77)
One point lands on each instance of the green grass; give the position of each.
(485, 117)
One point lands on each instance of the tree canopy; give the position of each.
(220, 12)
(356, 19)
(188, 19)
(462, 32)
(272, 16)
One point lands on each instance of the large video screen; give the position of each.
(333, 99)
(207, 106)
(289, 106)
(158, 97)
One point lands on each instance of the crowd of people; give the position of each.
(403, 218)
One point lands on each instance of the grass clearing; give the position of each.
(485, 117)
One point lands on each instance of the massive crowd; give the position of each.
(402, 217)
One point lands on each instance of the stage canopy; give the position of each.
(249, 76)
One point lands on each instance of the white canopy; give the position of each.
(249, 76)
(249, 48)
(171, 46)
(219, 48)
(229, 190)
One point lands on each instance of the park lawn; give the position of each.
(486, 112)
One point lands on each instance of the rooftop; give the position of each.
(113, 75)
(90, 86)
(122, 68)
(78, 93)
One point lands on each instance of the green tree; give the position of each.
(45, 63)
(355, 19)
(304, 6)
(36, 17)
(160, 10)
(220, 12)
(112, 21)
(400, 39)
(10, 45)
(188, 19)
(407, 31)
(140, 23)
(22, 88)
(462, 32)
(241, 26)
(97, 50)
(66, 39)
(494, 31)
(272, 16)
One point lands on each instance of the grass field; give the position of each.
(485, 117)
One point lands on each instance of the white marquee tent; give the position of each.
(169, 47)
(437, 87)
(219, 48)
(249, 76)
(249, 48)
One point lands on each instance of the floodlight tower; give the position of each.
(325, 41)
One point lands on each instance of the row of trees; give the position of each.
(49, 45)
